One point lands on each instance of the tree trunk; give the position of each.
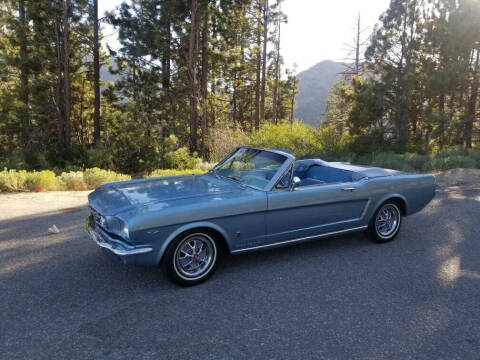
(441, 110)
(471, 107)
(24, 88)
(292, 99)
(203, 81)
(277, 71)
(403, 118)
(264, 60)
(357, 48)
(192, 75)
(258, 70)
(166, 57)
(66, 70)
(60, 102)
(96, 76)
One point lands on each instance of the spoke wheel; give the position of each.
(194, 255)
(387, 220)
(191, 258)
(386, 223)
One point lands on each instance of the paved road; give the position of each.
(417, 297)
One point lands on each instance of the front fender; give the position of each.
(187, 227)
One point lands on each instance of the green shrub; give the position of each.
(181, 159)
(450, 152)
(12, 180)
(301, 139)
(417, 161)
(223, 140)
(101, 157)
(475, 156)
(42, 181)
(452, 162)
(389, 160)
(73, 180)
(95, 177)
(174, 172)
(332, 145)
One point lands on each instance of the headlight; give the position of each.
(117, 226)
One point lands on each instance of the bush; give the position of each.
(12, 180)
(455, 151)
(174, 172)
(332, 145)
(475, 156)
(417, 161)
(452, 162)
(73, 180)
(95, 177)
(42, 181)
(101, 157)
(222, 141)
(301, 139)
(389, 160)
(181, 159)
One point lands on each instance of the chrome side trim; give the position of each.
(299, 239)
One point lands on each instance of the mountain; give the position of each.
(314, 87)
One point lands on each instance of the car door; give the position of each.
(315, 210)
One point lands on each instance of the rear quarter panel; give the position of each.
(415, 190)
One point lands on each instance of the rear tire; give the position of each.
(192, 257)
(385, 223)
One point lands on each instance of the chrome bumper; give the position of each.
(118, 248)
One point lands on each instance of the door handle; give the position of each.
(351, 189)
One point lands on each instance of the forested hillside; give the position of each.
(198, 77)
(418, 87)
(314, 88)
(186, 69)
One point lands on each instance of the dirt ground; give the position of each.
(458, 177)
(14, 205)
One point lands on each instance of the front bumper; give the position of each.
(117, 247)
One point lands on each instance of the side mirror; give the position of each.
(295, 182)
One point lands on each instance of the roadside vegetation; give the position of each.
(303, 140)
(47, 180)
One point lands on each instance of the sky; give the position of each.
(316, 30)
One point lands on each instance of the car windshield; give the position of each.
(253, 167)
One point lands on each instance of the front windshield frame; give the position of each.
(289, 159)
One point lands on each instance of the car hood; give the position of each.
(114, 198)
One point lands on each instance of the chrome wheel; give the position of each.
(387, 221)
(195, 256)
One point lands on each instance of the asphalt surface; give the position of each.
(341, 298)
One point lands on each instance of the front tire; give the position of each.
(192, 257)
(385, 224)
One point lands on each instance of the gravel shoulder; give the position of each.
(14, 205)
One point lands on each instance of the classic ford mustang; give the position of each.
(253, 199)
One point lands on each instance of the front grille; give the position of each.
(98, 218)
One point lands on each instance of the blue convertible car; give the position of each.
(253, 199)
